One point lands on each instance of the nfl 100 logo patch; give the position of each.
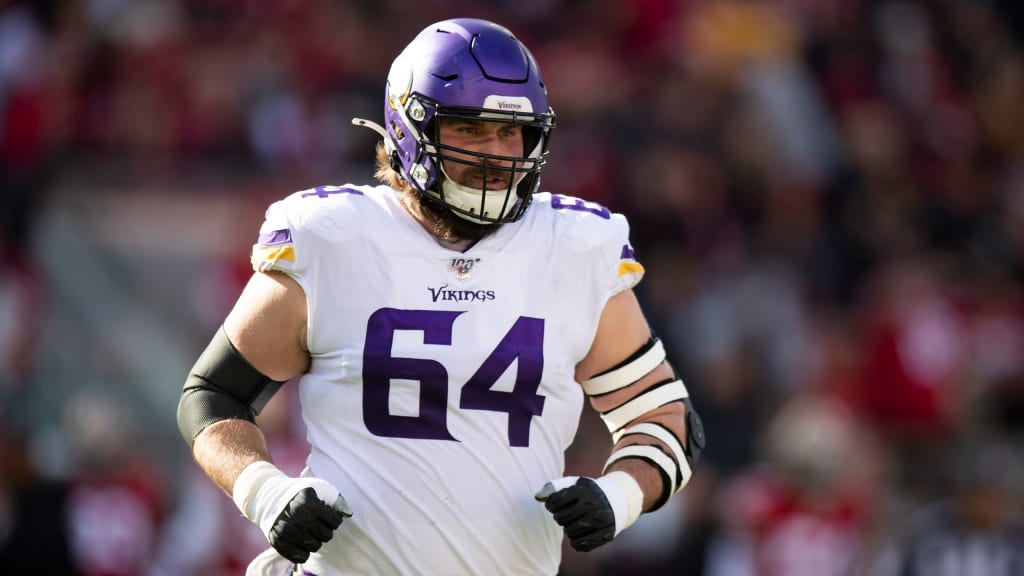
(462, 267)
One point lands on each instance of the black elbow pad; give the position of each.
(222, 385)
(695, 439)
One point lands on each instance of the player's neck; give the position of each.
(447, 229)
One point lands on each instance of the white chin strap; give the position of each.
(468, 198)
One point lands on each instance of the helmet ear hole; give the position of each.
(396, 163)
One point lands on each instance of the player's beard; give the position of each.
(446, 225)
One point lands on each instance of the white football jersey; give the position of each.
(441, 395)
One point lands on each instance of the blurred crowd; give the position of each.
(828, 197)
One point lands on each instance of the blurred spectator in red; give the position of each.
(21, 303)
(806, 509)
(913, 387)
(115, 502)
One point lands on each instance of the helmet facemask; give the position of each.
(519, 176)
(471, 70)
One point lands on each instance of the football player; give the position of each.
(445, 327)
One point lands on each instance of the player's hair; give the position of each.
(447, 226)
(384, 173)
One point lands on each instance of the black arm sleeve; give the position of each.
(221, 385)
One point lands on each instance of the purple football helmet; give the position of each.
(469, 69)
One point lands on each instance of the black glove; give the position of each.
(297, 515)
(583, 510)
(303, 526)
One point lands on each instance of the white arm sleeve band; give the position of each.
(625, 375)
(652, 453)
(670, 440)
(659, 396)
(625, 497)
(262, 492)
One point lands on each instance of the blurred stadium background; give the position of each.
(828, 196)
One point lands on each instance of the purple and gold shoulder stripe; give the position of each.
(271, 248)
(628, 263)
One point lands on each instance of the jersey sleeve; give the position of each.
(625, 270)
(603, 238)
(299, 226)
(280, 243)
